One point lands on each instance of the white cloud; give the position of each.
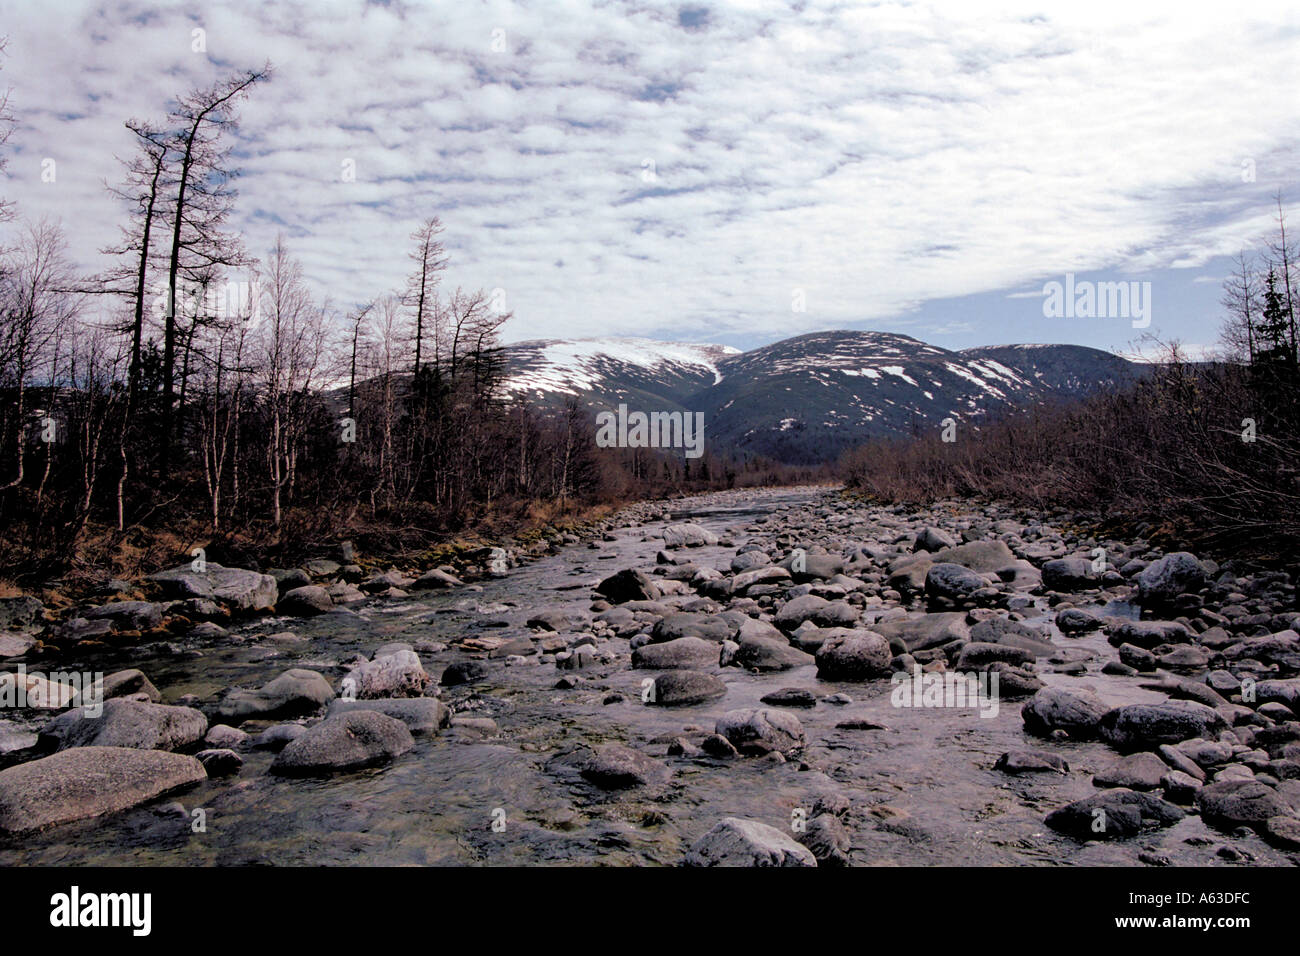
(873, 155)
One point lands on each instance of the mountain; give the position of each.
(807, 399)
(658, 376)
(1072, 370)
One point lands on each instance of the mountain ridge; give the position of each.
(808, 398)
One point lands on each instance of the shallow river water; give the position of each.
(922, 788)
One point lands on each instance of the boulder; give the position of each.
(1145, 726)
(87, 782)
(126, 722)
(680, 687)
(758, 652)
(127, 615)
(434, 579)
(952, 581)
(1139, 771)
(761, 731)
(1069, 574)
(921, 632)
(797, 610)
(242, 590)
(1234, 803)
(933, 539)
(688, 535)
(1031, 761)
(392, 675)
(1114, 814)
(737, 842)
(629, 585)
(348, 741)
(1076, 712)
(1161, 582)
(691, 653)
(295, 693)
(613, 766)
(305, 601)
(708, 627)
(853, 655)
(765, 575)
(422, 715)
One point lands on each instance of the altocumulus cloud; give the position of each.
(638, 168)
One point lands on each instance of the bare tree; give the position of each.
(422, 287)
(37, 308)
(291, 344)
(7, 124)
(201, 203)
(1241, 292)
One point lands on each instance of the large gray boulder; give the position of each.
(1174, 574)
(1069, 574)
(126, 722)
(1234, 803)
(762, 730)
(853, 655)
(348, 741)
(399, 674)
(422, 715)
(708, 627)
(1076, 712)
(952, 581)
(797, 610)
(1146, 726)
(765, 575)
(613, 766)
(933, 539)
(920, 632)
(691, 653)
(1114, 814)
(87, 782)
(295, 693)
(680, 687)
(241, 590)
(687, 535)
(767, 653)
(127, 615)
(629, 585)
(306, 601)
(737, 842)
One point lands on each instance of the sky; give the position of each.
(707, 172)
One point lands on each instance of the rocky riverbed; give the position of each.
(748, 678)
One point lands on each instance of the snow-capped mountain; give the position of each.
(656, 375)
(1066, 369)
(809, 398)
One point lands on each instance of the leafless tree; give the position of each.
(37, 309)
(201, 201)
(430, 260)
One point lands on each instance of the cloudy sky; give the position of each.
(697, 171)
